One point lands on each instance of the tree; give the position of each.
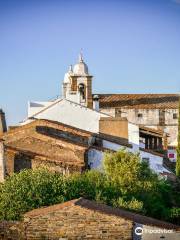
(127, 172)
(29, 189)
(140, 189)
(178, 147)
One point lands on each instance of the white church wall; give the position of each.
(142, 116)
(73, 96)
(35, 107)
(73, 114)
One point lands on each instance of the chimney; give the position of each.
(3, 127)
(117, 127)
(96, 102)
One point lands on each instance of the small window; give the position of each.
(175, 116)
(140, 115)
(117, 112)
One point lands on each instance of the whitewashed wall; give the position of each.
(95, 159)
(172, 152)
(155, 161)
(112, 145)
(133, 135)
(35, 107)
(72, 114)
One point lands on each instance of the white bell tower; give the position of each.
(77, 84)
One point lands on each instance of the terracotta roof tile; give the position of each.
(142, 101)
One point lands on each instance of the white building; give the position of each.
(79, 108)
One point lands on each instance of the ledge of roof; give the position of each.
(104, 209)
(114, 139)
(139, 101)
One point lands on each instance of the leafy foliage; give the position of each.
(133, 204)
(28, 190)
(137, 182)
(126, 182)
(125, 170)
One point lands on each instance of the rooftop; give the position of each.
(102, 208)
(140, 101)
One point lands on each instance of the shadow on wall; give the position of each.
(22, 161)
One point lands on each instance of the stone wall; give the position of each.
(155, 118)
(11, 230)
(17, 161)
(79, 219)
(69, 221)
(2, 162)
(41, 143)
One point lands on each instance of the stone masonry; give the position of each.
(2, 162)
(78, 219)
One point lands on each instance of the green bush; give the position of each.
(91, 185)
(126, 171)
(174, 215)
(126, 182)
(133, 204)
(28, 190)
(135, 180)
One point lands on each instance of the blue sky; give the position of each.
(130, 46)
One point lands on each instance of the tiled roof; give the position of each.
(151, 131)
(78, 134)
(61, 152)
(141, 101)
(102, 208)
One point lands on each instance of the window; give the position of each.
(175, 116)
(161, 117)
(140, 115)
(117, 112)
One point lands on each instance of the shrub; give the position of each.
(126, 171)
(135, 180)
(28, 190)
(133, 204)
(175, 215)
(126, 182)
(92, 185)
